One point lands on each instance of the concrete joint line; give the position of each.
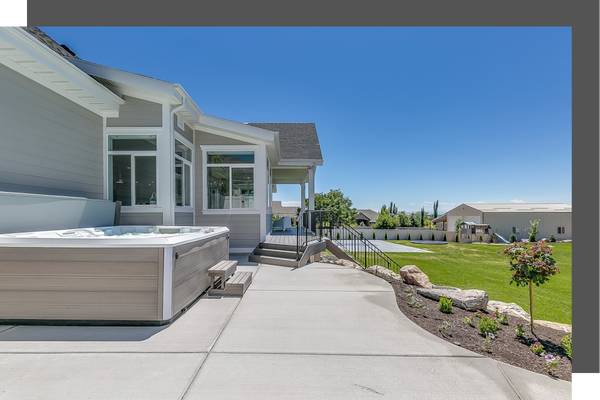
(475, 357)
(8, 329)
(195, 374)
(104, 352)
(321, 290)
(508, 380)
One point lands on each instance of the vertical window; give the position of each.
(561, 229)
(183, 175)
(132, 169)
(230, 180)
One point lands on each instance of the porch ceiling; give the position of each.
(283, 176)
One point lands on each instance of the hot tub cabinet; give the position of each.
(106, 280)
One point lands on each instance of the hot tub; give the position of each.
(114, 275)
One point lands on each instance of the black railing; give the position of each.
(314, 225)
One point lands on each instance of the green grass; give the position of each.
(476, 266)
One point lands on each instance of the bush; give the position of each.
(421, 236)
(337, 236)
(349, 237)
(456, 238)
(445, 305)
(513, 238)
(373, 235)
(566, 343)
(361, 236)
(491, 239)
(481, 238)
(408, 237)
(386, 236)
(487, 325)
(432, 236)
(552, 238)
(444, 239)
(397, 236)
(532, 238)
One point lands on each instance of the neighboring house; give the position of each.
(281, 211)
(367, 217)
(508, 218)
(78, 129)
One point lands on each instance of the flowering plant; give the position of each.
(537, 348)
(487, 325)
(469, 320)
(566, 342)
(551, 363)
(502, 316)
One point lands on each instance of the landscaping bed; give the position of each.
(505, 347)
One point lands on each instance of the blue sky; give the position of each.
(409, 115)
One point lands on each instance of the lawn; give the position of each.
(479, 266)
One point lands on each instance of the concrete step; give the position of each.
(285, 262)
(275, 253)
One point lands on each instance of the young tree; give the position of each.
(530, 265)
(457, 228)
(533, 230)
(422, 216)
(435, 209)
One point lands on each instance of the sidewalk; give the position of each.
(319, 332)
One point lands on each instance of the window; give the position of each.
(561, 229)
(183, 175)
(230, 179)
(132, 169)
(515, 230)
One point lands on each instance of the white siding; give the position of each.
(50, 145)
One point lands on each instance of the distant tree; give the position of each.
(386, 221)
(422, 216)
(435, 209)
(338, 204)
(415, 220)
(391, 208)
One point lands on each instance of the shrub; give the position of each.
(349, 237)
(566, 343)
(325, 234)
(432, 236)
(491, 239)
(445, 305)
(513, 238)
(373, 235)
(532, 238)
(444, 239)
(408, 237)
(361, 236)
(552, 238)
(456, 238)
(386, 236)
(397, 236)
(421, 236)
(480, 238)
(519, 330)
(337, 236)
(487, 325)
(501, 316)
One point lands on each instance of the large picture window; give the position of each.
(132, 169)
(230, 179)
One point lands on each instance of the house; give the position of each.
(73, 129)
(281, 211)
(366, 217)
(508, 218)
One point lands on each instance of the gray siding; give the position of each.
(137, 112)
(50, 145)
(184, 219)
(203, 138)
(502, 223)
(244, 228)
(187, 133)
(148, 218)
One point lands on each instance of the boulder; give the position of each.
(470, 300)
(512, 309)
(384, 272)
(412, 275)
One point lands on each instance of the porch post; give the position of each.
(311, 188)
(303, 195)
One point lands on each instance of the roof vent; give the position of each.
(64, 46)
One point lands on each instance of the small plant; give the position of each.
(421, 236)
(469, 320)
(373, 235)
(432, 236)
(552, 238)
(551, 363)
(337, 236)
(537, 348)
(444, 239)
(512, 238)
(385, 236)
(397, 236)
(408, 237)
(480, 239)
(325, 234)
(408, 290)
(479, 314)
(488, 340)
(519, 330)
(487, 325)
(361, 236)
(444, 326)
(502, 317)
(566, 343)
(349, 237)
(445, 305)
(413, 301)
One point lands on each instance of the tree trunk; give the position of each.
(531, 305)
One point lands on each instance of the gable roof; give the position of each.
(370, 214)
(521, 207)
(61, 50)
(297, 141)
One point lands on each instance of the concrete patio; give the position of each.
(318, 332)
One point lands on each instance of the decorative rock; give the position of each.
(384, 272)
(554, 325)
(470, 300)
(512, 309)
(412, 275)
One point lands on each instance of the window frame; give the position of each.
(132, 154)
(184, 162)
(205, 165)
